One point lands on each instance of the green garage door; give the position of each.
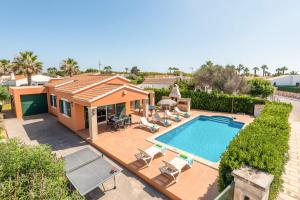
(33, 104)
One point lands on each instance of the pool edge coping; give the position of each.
(152, 139)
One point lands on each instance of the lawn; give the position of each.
(294, 89)
(6, 107)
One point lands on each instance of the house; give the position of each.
(285, 80)
(80, 102)
(21, 80)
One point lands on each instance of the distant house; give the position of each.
(21, 80)
(285, 80)
(158, 83)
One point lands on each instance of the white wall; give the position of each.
(286, 80)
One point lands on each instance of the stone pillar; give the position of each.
(152, 98)
(257, 109)
(188, 105)
(145, 108)
(93, 127)
(251, 184)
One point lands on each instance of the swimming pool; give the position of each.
(203, 136)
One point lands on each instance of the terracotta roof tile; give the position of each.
(169, 81)
(96, 91)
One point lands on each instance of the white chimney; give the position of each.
(12, 76)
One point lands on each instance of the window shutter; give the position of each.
(61, 106)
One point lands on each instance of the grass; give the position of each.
(2, 133)
(6, 107)
(294, 89)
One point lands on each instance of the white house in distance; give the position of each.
(21, 80)
(285, 80)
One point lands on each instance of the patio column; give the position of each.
(152, 98)
(145, 108)
(93, 127)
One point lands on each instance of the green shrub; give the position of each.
(215, 101)
(31, 172)
(294, 89)
(263, 145)
(260, 87)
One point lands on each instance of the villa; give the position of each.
(80, 102)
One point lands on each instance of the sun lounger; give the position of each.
(148, 154)
(152, 127)
(174, 167)
(176, 118)
(157, 119)
(184, 114)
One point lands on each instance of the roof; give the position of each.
(165, 81)
(102, 90)
(282, 76)
(80, 82)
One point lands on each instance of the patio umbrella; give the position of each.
(167, 102)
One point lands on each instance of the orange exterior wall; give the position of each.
(18, 91)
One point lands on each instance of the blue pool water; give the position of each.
(204, 136)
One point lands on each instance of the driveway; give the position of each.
(44, 129)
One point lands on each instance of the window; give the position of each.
(53, 100)
(65, 107)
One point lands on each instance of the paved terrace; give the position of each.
(291, 176)
(199, 182)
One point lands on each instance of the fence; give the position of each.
(226, 194)
(288, 94)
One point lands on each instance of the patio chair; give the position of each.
(184, 114)
(152, 127)
(157, 119)
(174, 167)
(148, 154)
(176, 118)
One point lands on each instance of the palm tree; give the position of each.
(255, 69)
(240, 68)
(5, 66)
(70, 67)
(107, 69)
(246, 71)
(293, 73)
(283, 69)
(264, 68)
(27, 63)
(278, 71)
(126, 69)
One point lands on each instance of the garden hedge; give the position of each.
(263, 144)
(216, 101)
(32, 172)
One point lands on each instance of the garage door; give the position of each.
(33, 104)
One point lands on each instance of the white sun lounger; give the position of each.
(184, 114)
(152, 127)
(148, 154)
(176, 118)
(156, 118)
(174, 167)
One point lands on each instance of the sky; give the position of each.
(153, 34)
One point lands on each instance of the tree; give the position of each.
(264, 68)
(27, 63)
(32, 172)
(255, 69)
(52, 71)
(283, 69)
(4, 95)
(70, 67)
(246, 71)
(220, 78)
(278, 71)
(240, 68)
(5, 66)
(294, 73)
(91, 70)
(135, 70)
(126, 69)
(107, 69)
(170, 69)
(260, 87)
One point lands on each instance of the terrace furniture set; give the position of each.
(171, 168)
(117, 122)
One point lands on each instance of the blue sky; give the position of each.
(154, 34)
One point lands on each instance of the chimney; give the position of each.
(12, 76)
